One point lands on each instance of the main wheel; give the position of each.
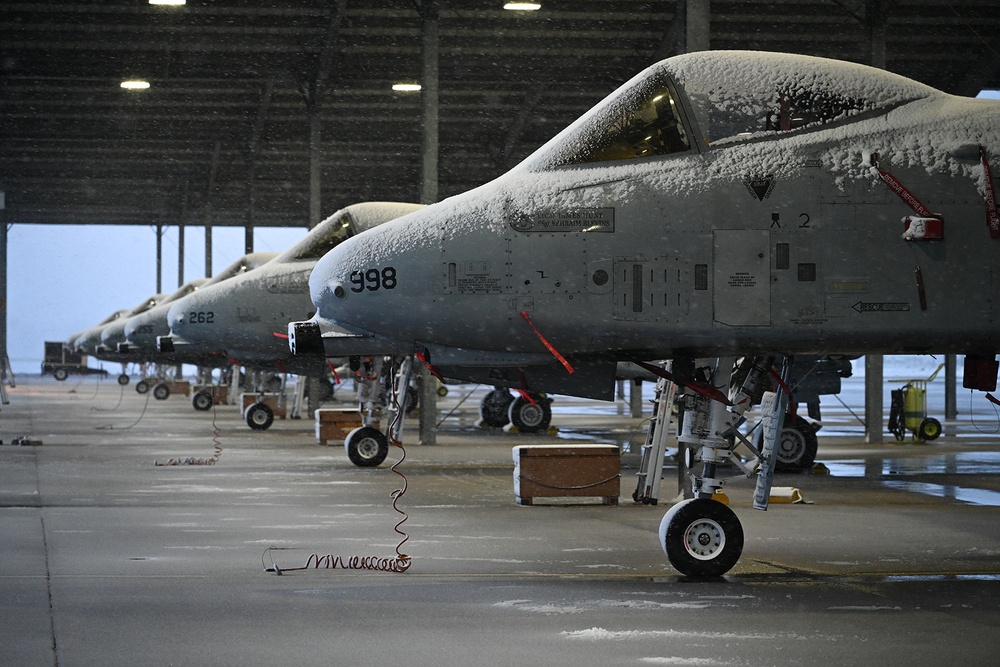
(796, 448)
(701, 537)
(929, 429)
(141, 387)
(412, 400)
(366, 446)
(493, 409)
(530, 417)
(161, 392)
(60, 373)
(202, 400)
(123, 379)
(259, 417)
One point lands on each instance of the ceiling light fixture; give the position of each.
(172, 3)
(522, 6)
(406, 87)
(135, 84)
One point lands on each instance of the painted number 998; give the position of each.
(373, 279)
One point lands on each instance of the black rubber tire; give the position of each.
(929, 429)
(528, 417)
(123, 379)
(796, 448)
(259, 416)
(141, 387)
(701, 538)
(60, 374)
(366, 446)
(494, 407)
(161, 392)
(202, 400)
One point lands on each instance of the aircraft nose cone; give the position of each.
(327, 285)
(175, 318)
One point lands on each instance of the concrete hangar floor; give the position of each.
(107, 559)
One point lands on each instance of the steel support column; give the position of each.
(873, 398)
(429, 189)
(698, 21)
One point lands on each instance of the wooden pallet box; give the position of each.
(179, 387)
(555, 471)
(218, 392)
(333, 424)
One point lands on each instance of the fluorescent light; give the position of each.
(135, 84)
(406, 87)
(522, 6)
(167, 2)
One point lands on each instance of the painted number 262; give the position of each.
(373, 279)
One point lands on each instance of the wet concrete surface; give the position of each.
(105, 558)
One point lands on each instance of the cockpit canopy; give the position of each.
(242, 265)
(715, 98)
(342, 225)
(326, 235)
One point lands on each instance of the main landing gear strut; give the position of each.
(700, 536)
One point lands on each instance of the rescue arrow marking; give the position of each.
(889, 307)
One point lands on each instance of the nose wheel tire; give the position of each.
(366, 447)
(259, 417)
(530, 417)
(701, 538)
(202, 401)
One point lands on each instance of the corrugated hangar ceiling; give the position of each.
(222, 135)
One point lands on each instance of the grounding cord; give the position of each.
(111, 427)
(994, 402)
(195, 461)
(94, 408)
(397, 564)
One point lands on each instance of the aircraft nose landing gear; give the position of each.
(702, 537)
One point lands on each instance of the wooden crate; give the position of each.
(219, 392)
(333, 424)
(554, 471)
(270, 400)
(179, 387)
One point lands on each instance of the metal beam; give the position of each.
(253, 147)
(698, 25)
(429, 11)
(210, 193)
(3, 282)
(314, 94)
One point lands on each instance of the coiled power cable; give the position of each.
(400, 562)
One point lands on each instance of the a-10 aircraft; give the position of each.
(115, 345)
(723, 210)
(91, 341)
(245, 317)
(143, 330)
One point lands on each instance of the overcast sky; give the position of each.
(62, 279)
